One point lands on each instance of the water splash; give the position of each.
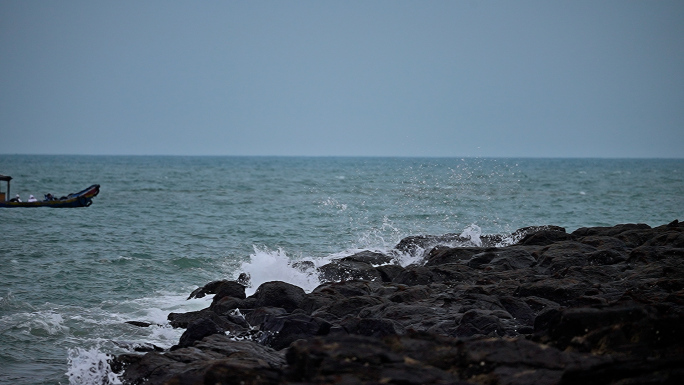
(90, 366)
(267, 265)
(473, 233)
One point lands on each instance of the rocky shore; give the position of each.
(599, 305)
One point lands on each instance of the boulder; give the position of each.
(279, 294)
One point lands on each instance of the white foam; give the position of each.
(90, 366)
(473, 232)
(40, 323)
(274, 265)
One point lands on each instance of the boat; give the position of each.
(82, 198)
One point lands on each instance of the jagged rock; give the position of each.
(443, 254)
(599, 305)
(281, 330)
(546, 237)
(197, 330)
(348, 269)
(215, 359)
(209, 288)
(502, 259)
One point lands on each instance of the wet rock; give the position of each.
(349, 269)
(216, 359)
(389, 272)
(209, 288)
(230, 289)
(371, 257)
(599, 305)
(197, 330)
(279, 294)
(416, 275)
(281, 330)
(502, 259)
(443, 254)
(546, 237)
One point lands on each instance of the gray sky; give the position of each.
(376, 78)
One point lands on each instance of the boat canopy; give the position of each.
(5, 195)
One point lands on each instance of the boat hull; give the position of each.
(80, 199)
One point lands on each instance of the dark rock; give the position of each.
(389, 272)
(371, 257)
(600, 305)
(648, 254)
(412, 244)
(207, 360)
(197, 330)
(562, 255)
(609, 231)
(230, 289)
(519, 310)
(562, 291)
(604, 242)
(351, 305)
(139, 324)
(227, 304)
(259, 315)
(183, 320)
(372, 327)
(279, 294)
(281, 330)
(411, 294)
(209, 288)
(606, 257)
(443, 255)
(502, 259)
(415, 275)
(448, 273)
(343, 270)
(479, 322)
(546, 237)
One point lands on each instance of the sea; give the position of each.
(162, 226)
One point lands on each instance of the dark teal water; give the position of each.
(163, 226)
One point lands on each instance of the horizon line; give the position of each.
(356, 156)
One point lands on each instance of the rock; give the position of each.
(372, 327)
(562, 255)
(442, 255)
(416, 275)
(279, 294)
(197, 330)
(343, 270)
(599, 305)
(370, 257)
(215, 359)
(139, 323)
(389, 272)
(230, 289)
(606, 257)
(477, 322)
(546, 237)
(281, 330)
(224, 322)
(609, 231)
(209, 288)
(502, 259)
(413, 244)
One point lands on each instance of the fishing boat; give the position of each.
(80, 199)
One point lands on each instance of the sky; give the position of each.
(459, 78)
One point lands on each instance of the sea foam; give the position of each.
(90, 366)
(267, 265)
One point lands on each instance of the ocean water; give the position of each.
(163, 226)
